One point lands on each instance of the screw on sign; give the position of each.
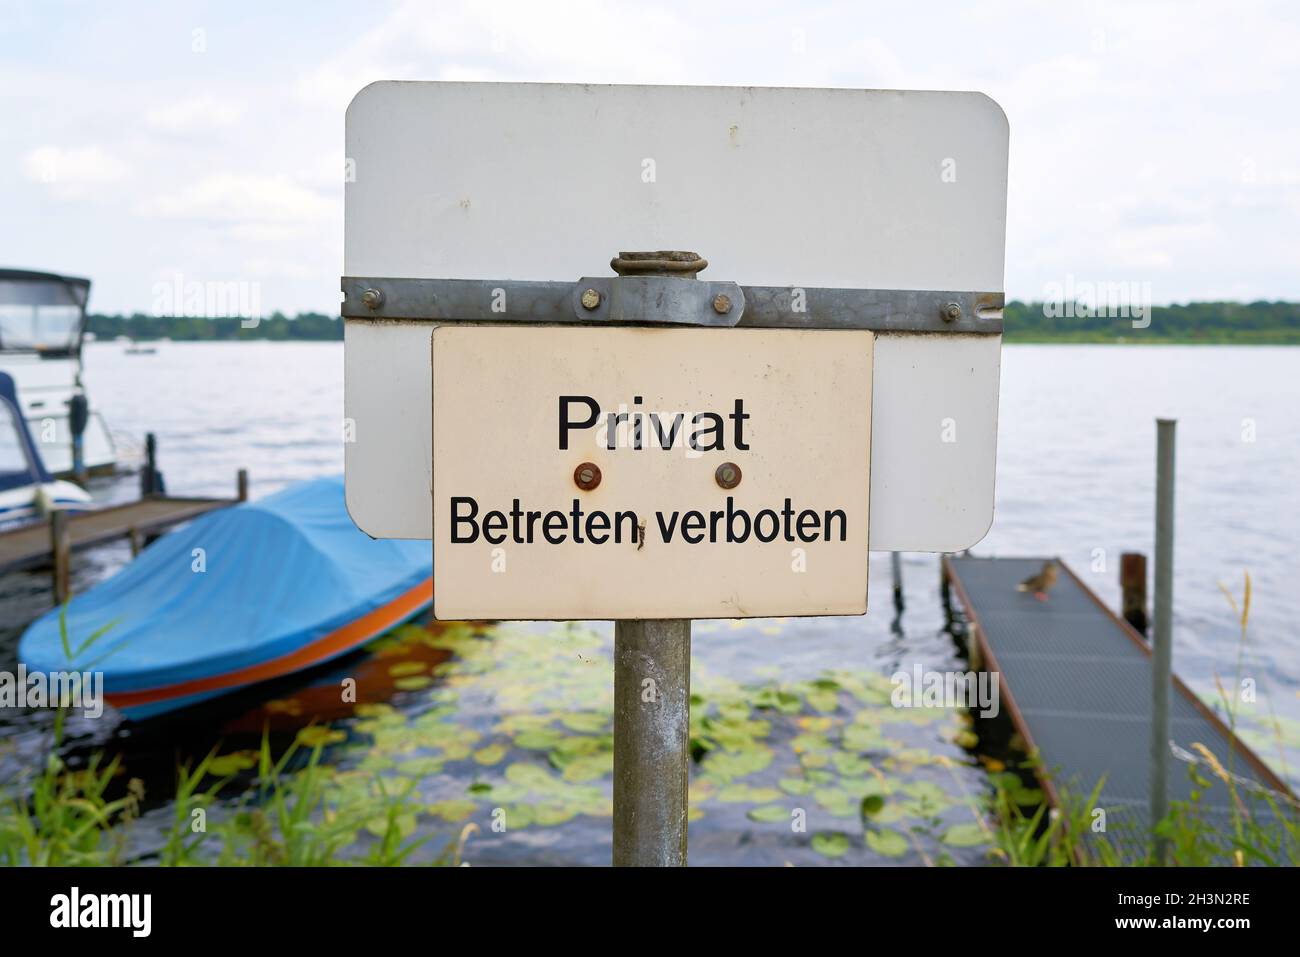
(587, 476)
(727, 475)
(664, 440)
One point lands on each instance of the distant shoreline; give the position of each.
(1196, 323)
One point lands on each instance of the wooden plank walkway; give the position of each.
(31, 545)
(1076, 683)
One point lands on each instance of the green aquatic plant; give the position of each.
(61, 816)
(64, 817)
(520, 731)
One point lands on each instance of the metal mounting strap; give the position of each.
(624, 300)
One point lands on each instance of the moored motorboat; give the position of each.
(240, 596)
(42, 329)
(27, 490)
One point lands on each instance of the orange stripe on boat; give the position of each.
(367, 626)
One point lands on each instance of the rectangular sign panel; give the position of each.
(598, 473)
(866, 189)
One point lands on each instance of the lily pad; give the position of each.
(746, 794)
(589, 767)
(588, 722)
(795, 785)
(412, 682)
(491, 754)
(538, 739)
(319, 734)
(453, 810)
(378, 826)
(965, 835)
(768, 813)
(886, 842)
(232, 763)
(837, 801)
(831, 843)
(405, 668)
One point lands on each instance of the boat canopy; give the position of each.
(42, 312)
(20, 459)
(234, 589)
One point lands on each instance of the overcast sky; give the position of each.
(1150, 142)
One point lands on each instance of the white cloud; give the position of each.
(196, 115)
(243, 199)
(593, 42)
(73, 172)
(1148, 140)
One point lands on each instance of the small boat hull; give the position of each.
(138, 705)
(240, 596)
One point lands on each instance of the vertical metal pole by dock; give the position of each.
(1162, 632)
(652, 716)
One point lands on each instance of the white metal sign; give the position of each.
(838, 189)
(589, 473)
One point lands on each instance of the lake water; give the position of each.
(1075, 478)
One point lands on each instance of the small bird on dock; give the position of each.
(1041, 583)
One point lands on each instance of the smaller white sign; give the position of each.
(603, 473)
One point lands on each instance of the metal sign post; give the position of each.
(651, 447)
(652, 719)
(1162, 637)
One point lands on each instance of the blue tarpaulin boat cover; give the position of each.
(236, 588)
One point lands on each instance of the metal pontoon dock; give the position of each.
(1076, 682)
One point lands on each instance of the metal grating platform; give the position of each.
(1076, 681)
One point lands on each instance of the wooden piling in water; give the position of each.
(149, 474)
(896, 570)
(1133, 590)
(241, 485)
(61, 550)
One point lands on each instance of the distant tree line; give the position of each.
(304, 326)
(1208, 322)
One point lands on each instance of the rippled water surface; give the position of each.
(792, 715)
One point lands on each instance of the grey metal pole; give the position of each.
(652, 688)
(652, 716)
(896, 567)
(1162, 632)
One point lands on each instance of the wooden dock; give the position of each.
(1076, 683)
(33, 545)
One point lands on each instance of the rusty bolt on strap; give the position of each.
(373, 298)
(590, 299)
(721, 304)
(587, 476)
(952, 312)
(727, 475)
